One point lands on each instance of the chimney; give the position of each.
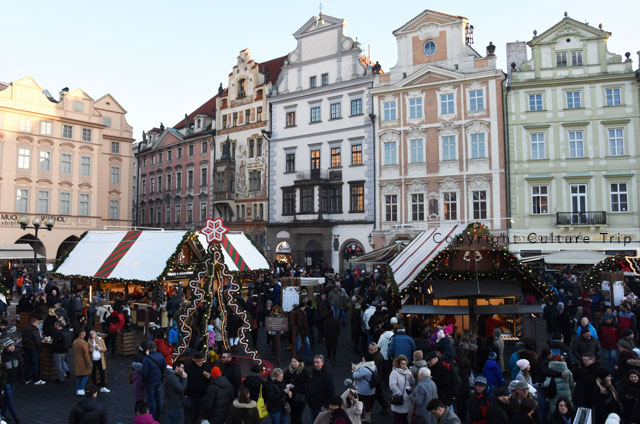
(516, 54)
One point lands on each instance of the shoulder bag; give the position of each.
(399, 399)
(262, 406)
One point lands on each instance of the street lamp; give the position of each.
(37, 223)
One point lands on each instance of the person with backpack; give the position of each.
(153, 368)
(366, 378)
(401, 344)
(62, 340)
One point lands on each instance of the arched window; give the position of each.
(242, 88)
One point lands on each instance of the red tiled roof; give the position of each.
(208, 108)
(273, 67)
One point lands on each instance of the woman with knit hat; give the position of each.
(525, 375)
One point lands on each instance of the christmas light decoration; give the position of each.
(616, 263)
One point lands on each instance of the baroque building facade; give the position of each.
(573, 123)
(321, 197)
(69, 158)
(439, 131)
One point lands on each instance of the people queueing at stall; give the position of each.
(406, 371)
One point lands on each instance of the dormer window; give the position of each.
(198, 123)
(242, 88)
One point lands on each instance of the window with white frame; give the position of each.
(25, 125)
(114, 209)
(159, 179)
(479, 203)
(115, 147)
(152, 184)
(619, 197)
(203, 211)
(561, 59)
(478, 146)
(389, 111)
(576, 144)
(65, 163)
(573, 100)
(167, 213)
(64, 207)
(46, 128)
(539, 199)
(85, 166)
(324, 79)
(204, 174)
(616, 141)
(335, 110)
(22, 200)
(356, 107)
(416, 149)
(106, 121)
(447, 106)
(415, 108)
(417, 207)
(535, 102)
(83, 204)
(576, 58)
(450, 205)
(24, 158)
(614, 96)
(86, 134)
(537, 146)
(44, 162)
(476, 100)
(449, 148)
(391, 207)
(315, 114)
(390, 153)
(189, 212)
(67, 131)
(178, 213)
(115, 175)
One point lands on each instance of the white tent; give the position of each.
(577, 257)
(239, 244)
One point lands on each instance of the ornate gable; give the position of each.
(428, 18)
(568, 27)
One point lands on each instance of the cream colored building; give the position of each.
(68, 157)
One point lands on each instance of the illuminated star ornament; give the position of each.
(214, 230)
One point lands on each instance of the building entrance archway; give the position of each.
(66, 246)
(350, 249)
(313, 253)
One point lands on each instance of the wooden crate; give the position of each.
(25, 319)
(126, 343)
(48, 370)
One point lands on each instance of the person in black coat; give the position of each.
(605, 398)
(218, 398)
(585, 377)
(498, 410)
(441, 375)
(298, 377)
(563, 413)
(89, 410)
(331, 333)
(12, 366)
(276, 396)
(198, 378)
(525, 412)
(31, 344)
(254, 383)
(231, 370)
(630, 397)
(320, 387)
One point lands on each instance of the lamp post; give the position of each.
(36, 224)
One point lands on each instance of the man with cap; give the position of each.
(479, 401)
(609, 335)
(89, 409)
(401, 344)
(521, 393)
(198, 377)
(441, 375)
(499, 411)
(218, 399)
(491, 371)
(585, 344)
(12, 366)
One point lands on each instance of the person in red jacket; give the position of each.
(116, 323)
(163, 346)
(609, 335)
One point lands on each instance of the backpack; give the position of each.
(374, 379)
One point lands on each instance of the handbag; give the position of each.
(399, 399)
(262, 407)
(287, 408)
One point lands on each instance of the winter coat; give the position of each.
(609, 335)
(449, 417)
(512, 365)
(580, 345)
(383, 343)
(492, 373)
(320, 388)
(144, 419)
(498, 412)
(446, 348)
(362, 375)
(139, 391)
(88, 411)
(630, 399)
(116, 322)
(399, 381)
(334, 298)
(441, 375)
(254, 383)
(415, 368)
(153, 368)
(401, 344)
(521, 418)
(165, 349)
(275, 397)
(232, 372)
(354, 411)
(591, 328)
(331, 332)
(604, 404)
(174, 388)
(564, 386)
(12, 366)
(299, 378)
(102, 348)
(423, 393)
(498, 344)
(31, 341)
(217, 400)
(302, 324)
(243, 413)
(82, 361)
(197, 383)
(478, 405)
(585, 378)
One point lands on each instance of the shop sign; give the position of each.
(276, 323)
(12, 219)
(180, 274)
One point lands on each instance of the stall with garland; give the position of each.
(460, 275)
(617, 277)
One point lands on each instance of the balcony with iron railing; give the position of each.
(223, 195)
(581, 218)
(312, 175)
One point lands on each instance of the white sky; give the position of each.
(163, 58)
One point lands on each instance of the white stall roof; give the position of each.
(253, 259)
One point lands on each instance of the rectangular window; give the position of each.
(247, 116)
(153, 160)
(144, 186)
(415, 108)
(537, 146)
(389, 111)
(159, 157)
(449, 148)
(178, 213)
(259, 113)
(85, 166)
(203, 147)
(158, 215)
(169, 155)
(152, 184)
(306, 200)
(255, 181)
(67, 131)
(190, 178)
(22, 200)
(251, 143)
(476, 100)
(336, 157)
(191, 150)
(235, 119)
(179, 153)
(167, 213)
(290, 162)
(335, 199)
(24, 158)
(46, 128)
(561, 59)
(203, 211)
(204, 171)
(576, 144)
(450, 205)
(478, 146)
(357, 197)
(291, 119)
(315, 114)
(313, 82)
(390, 153)
(325, 79)
(356, 154)
(144, 162)
(614, 97)
(479, 200)
(106, 121)
(573, 100)
(159, 182)
(324, 200)
(179, 181)
(391, 207)
(77, 106)
(540, 199)
(335, 110)
(417, 207)
(288, 202)
(535, 102)
(416, 147)
(616, 142)
(65, 163)
(446, 104)
(86, 134)
(189, 212)
(115, 176)
(115, 147)
(576, 58)
(259, 147)
(114, 210)
(25, 125)
(44, 164)
(356, 107)
(83, 204)
(150, 215)
(619, 197)
(315, 159)
(168, 185)
(65, 203)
